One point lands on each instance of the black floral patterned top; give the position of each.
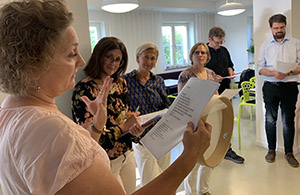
(117, 113)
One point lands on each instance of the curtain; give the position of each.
(203, 23)
(139, 26)
(134, 28)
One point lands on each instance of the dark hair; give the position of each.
(106, 44)
(277, 18)
(216, 32)
(194, 48)
(29, 34)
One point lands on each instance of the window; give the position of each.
(96, 32)
(175, 44)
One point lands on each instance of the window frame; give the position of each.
(173, 48)
(99, 29)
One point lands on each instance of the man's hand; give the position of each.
(231, 72)
(279, 75)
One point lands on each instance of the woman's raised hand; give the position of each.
(98, 107)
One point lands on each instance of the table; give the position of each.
(171, 86)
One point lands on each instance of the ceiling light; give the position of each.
(231, 9)
(119, 6)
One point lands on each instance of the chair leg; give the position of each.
(239, 125)
(251, 113)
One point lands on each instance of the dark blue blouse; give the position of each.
(150, 97)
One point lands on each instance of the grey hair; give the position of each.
(144, 46)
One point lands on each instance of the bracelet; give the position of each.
(120, 129)
(96, 130)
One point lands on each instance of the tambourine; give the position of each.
(222, 127)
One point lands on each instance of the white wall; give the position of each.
(295, 31)
(263, 9)
(235, 28)
(81, 25)
(295, 19)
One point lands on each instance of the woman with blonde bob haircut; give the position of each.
(42, 151)
(145, 46)
(148, 92)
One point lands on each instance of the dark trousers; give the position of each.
(225, 84)
(284, 95)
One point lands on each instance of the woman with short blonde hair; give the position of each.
(147, 92)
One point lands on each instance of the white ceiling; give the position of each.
(176, 5)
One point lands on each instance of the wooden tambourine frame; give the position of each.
(222, 127)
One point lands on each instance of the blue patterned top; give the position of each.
(150, 97)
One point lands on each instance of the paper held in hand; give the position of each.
(229, 77)
(188, 106)
(147, 118)
(285, 67)
(230, 93)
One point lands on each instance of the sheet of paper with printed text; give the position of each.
(188, 106)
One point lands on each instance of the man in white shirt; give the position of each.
(280, 88)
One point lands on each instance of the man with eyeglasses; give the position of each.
(222, 65)
(280, 88)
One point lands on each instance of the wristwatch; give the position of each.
(291, 73)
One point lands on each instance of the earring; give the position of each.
(37, 86)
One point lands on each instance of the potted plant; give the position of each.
(251, 56)
(251, 47)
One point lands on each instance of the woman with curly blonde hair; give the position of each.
(42, 151)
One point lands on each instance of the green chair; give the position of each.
(252, 80)
(245, 100)
(172, 98)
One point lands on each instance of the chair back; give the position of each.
(246, 75)
(252, 80)
(246, 86)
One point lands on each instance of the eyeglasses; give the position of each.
(277, 28)
(218, 42)
(111, 59)
(200, 52)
